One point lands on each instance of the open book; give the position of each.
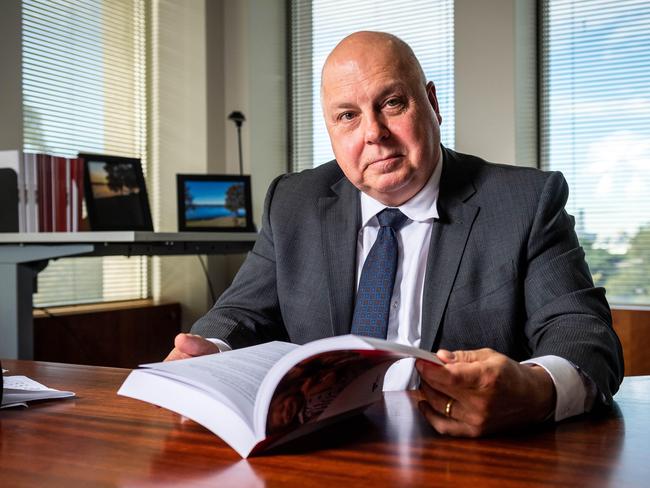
(258, 397)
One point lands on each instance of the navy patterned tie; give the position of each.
(377, 278)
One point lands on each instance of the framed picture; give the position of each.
(115, 192)
(214, 203)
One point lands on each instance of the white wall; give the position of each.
(247, 62)
(178, 139)
(496, 112)
(11, 111)
(214, 57)
(255, 84)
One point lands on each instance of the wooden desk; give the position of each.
(100, 439)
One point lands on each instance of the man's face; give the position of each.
(383, 123)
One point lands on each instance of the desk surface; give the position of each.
(100, 439)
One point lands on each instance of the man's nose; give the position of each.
(376, 130)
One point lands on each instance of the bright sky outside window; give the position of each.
(596, 130)
(84, 91)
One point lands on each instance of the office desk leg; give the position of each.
(16, 316)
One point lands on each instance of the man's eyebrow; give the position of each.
(343, 105)
(387, 90)
(393, 87)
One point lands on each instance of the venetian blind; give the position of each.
(318, 25)
(595, 128)
(84, 90)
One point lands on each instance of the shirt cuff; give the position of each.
(574, 391)
(222, 345)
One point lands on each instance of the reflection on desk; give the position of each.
(102, 439)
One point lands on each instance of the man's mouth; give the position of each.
(386, 159)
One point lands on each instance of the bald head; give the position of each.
(366, 45)
(381, 115)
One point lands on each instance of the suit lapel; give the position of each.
(340, 221)
(449, 236)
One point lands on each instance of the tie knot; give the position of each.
(391, 217)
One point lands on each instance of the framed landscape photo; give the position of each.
(115, 193)
(212, 203)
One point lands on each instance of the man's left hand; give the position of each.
(482, 391)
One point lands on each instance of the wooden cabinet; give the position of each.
(633, 328)
(122, 334)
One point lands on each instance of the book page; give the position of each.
(204, 407)
(303, 384)
(234, 377)
(326, 385)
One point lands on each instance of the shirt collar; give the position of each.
(420, 208)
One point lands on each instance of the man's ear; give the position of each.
(433, 100)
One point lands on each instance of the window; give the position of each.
(595, 128)
(84, 73)
(318, 25)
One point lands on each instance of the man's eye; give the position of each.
(393, 102)
(346, 116)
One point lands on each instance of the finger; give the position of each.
(452, 376)
(439, 401)
(182, 339)
(194, 345)
(429, 369)
(435, 376)
(444, 425)
(445, 356)
(175, 354)
(471, 356)
(466, 371)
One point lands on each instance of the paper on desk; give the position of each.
(20, 389)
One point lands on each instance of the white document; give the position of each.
(20, 389)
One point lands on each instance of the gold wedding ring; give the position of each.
(450, 402)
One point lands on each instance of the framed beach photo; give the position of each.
(115, 193)
(209, 203)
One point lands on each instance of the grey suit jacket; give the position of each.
(505, 269)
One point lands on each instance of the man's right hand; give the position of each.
(189, 346)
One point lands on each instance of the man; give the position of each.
(487, 258)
